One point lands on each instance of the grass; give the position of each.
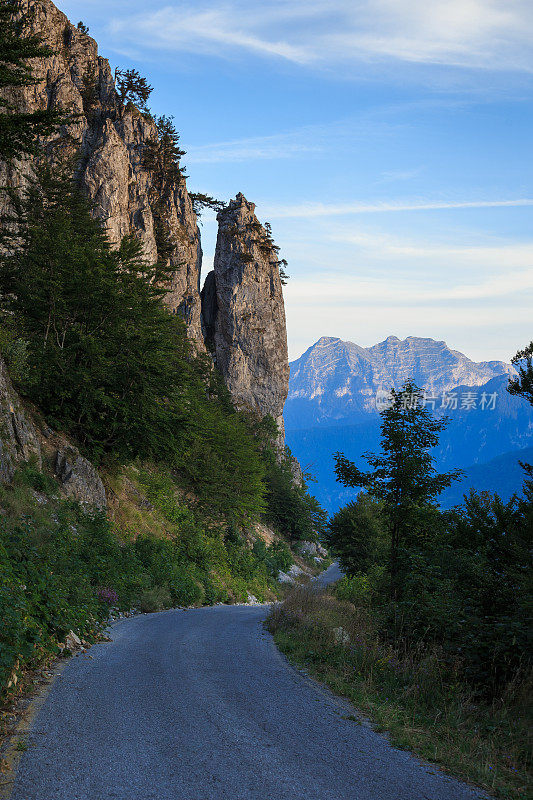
(421, 704)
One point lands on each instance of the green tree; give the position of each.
(355, 533)
(19, 132)
(522, 386)
(107, 363)
(200, 201)
(293, 511)
(133, 88)
(403, 476)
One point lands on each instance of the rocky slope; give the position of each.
(244, 314)
(24, 438)
(336, 381)
(116, 146)
(123, 167)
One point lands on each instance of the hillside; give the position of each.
(142, 459)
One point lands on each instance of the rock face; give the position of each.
(244, 315)
(24, 439)
(123, 167)
(118, 150)
(19, 440)
(337, 381)
(78, 478)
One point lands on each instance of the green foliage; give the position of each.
(108, 364)
(461, 579)
(407, 690)
(357, 534)
(277, 557)
(403, 476)
(103, 354)
(55, 557)
(522, 385)
(201, 201)
(14, 351)
(19, 132)
(356, 589)
(294, 512)
(132, 87)
(154, 600)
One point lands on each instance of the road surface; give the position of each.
(199, 705)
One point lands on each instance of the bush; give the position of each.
(185, 589)
(355, 589)
(154, 600)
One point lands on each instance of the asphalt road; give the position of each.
(199, 705)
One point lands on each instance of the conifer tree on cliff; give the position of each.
(403, 476)
(19, 132)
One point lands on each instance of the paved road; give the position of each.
(330, 575)
(199, 705)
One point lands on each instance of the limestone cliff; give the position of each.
(244, 314)
(24, 438)
(117, 146)
(122, 167)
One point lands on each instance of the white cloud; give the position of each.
(307, 210)
(486, 34)
(345, 289)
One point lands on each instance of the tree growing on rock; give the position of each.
(19, 131)
(133, 88)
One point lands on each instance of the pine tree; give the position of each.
(522, 386)
(133, 88)
(19, 132)
(403, 476)
(104, 355)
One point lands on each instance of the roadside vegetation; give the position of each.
(429, 631)
(89, 343)
(63, 567)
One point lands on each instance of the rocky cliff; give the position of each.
(117, 147)
(244, 315)
(118, 152)
(24, 438)
(122, 167)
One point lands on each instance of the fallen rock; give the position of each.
(72, 641)
(291, 575)
(341, 635)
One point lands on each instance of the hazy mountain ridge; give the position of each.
(331, 407)
(335, 382)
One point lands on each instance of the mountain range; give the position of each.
(333, 405)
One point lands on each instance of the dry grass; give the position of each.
(410, 694)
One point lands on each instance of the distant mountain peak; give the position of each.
(336, 380)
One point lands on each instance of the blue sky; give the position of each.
(388, 142)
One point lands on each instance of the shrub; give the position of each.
(154, 600)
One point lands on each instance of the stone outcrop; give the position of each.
(120, 164)
(19, 440)
(77, 477)
(244, 315)
(113, 143)
(24, 439)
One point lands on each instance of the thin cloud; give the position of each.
(306, 210)
(354, 290)
(252, 149)
(479, 34)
